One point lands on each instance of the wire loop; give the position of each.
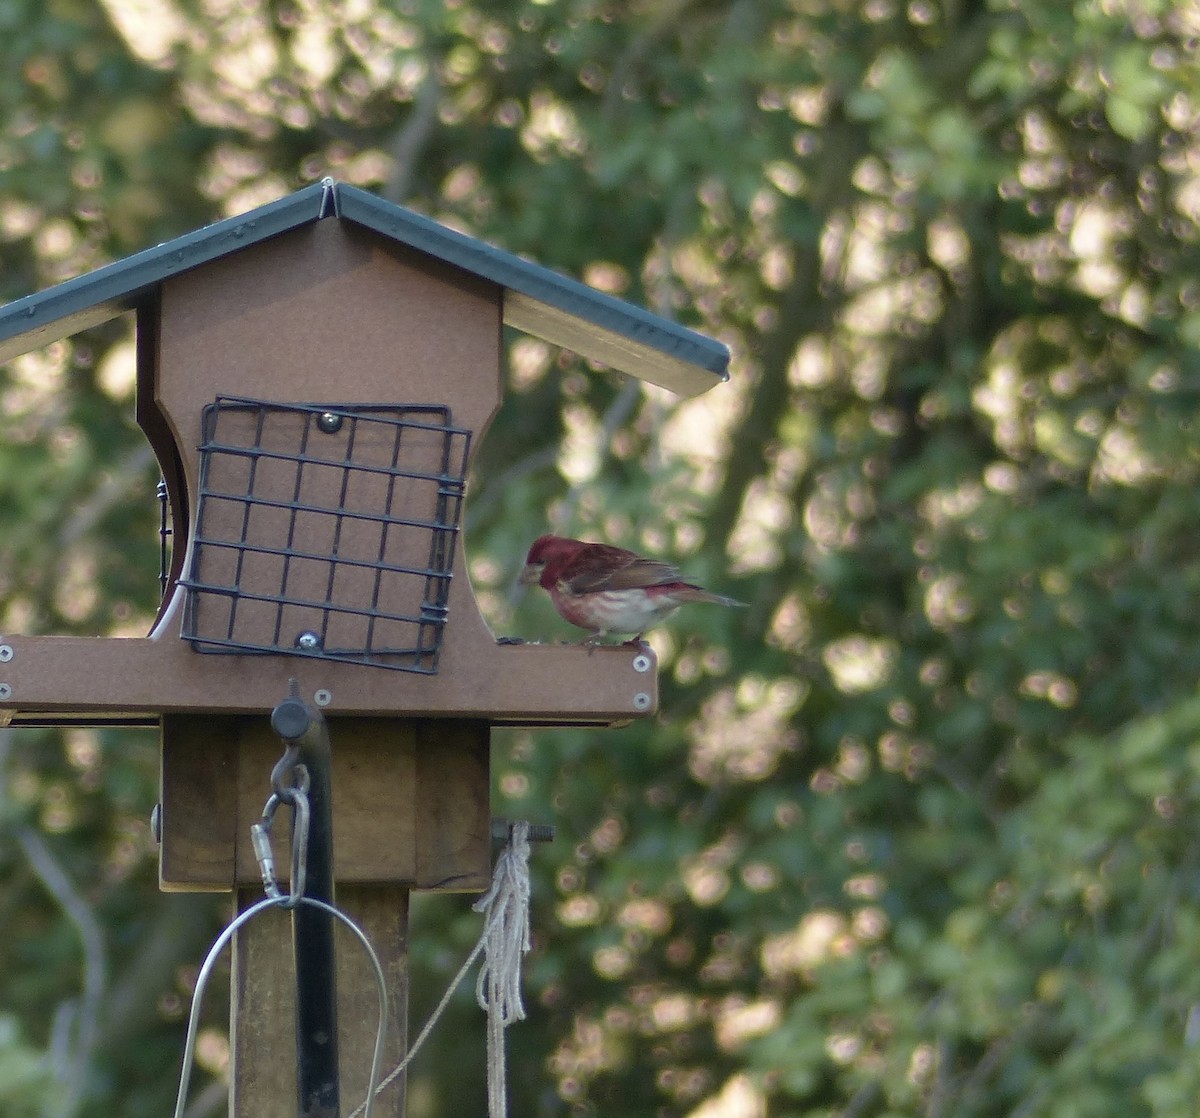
(185, 1074)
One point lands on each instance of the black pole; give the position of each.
(304, 727)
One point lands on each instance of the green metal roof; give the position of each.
(537, 300)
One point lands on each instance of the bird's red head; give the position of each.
(546, 558)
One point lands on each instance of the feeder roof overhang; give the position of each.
(536, 300)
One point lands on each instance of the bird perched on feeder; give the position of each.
(607, 589)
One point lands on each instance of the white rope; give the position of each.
(506, 941)
(434, 1017)
(505, 938)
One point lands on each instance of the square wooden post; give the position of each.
(411, 810)
(263, 1005)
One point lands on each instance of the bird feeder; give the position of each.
(313, 377)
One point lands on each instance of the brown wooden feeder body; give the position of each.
(328, 298)
(312, 377)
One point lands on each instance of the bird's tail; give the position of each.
(695, 594)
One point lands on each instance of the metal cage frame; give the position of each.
(220, 546)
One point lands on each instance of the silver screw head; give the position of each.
(641, 662)
(322, 697)
(308, 641)
(6, 653)
(5, 691)
(641, 701)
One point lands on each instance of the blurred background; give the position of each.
(910, 835)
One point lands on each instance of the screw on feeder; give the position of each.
(6, 654)
(322, 697)
(641, 701)
(329, 422)
(308, 641)
(641, 662)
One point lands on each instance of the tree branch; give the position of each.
(411, 138)
(801, 310)
(95, 961)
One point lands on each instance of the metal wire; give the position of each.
(210, 961)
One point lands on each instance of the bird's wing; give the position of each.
(601, 567)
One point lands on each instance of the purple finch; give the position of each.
(607, 589)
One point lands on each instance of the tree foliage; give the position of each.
(910, 835)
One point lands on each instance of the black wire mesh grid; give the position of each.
(326, 531)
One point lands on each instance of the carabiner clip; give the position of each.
(296, 797)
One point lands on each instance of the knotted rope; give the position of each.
(506, 941)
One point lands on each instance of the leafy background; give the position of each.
(910, 835)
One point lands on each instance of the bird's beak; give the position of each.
(530, 573)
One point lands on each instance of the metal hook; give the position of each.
(287, 765)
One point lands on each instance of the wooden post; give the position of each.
(411, 810)
(263, 1007)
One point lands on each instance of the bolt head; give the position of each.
(329, 422)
